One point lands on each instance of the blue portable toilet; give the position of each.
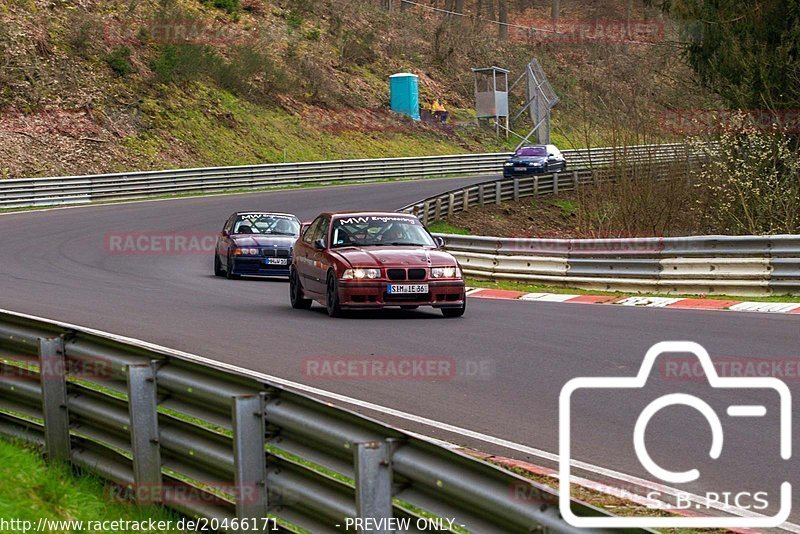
(404, 91)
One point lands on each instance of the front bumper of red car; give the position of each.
(372, 294)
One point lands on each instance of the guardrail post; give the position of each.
(555, 183)
(426, 207)
(535, 186)
(373, 470)
(451, 203)
(481, 201)
(595, 179)
(466, 199)
(437, 214)
(498, 193)
(143, 412)
(575, 180)
(249, 457)
(53, 377)
(516, 189)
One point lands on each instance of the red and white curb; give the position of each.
(642, 302)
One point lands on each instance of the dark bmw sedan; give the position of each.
(256, 244)
(535, 159)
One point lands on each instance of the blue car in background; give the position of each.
(256, 243)
(534, 159)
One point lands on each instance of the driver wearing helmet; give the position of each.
(394, 235)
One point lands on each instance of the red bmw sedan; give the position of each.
(373, 260)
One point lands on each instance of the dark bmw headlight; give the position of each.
(245, 252)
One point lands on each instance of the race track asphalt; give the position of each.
(513, 357)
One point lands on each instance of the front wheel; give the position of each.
(455, 312)
(229, 270)
(299, 302)
(332, 297)
(218, 270)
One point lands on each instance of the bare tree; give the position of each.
(478, 12)
(555, 13)
(502, 9)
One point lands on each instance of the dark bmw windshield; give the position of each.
(534, 151)
(265, 224)
(370, 230)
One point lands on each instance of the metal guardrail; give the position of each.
(704, 265)
(216, 441)
(27, 192)
(511, 189)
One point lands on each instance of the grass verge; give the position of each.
(441, 227)
(31, 489)
(532, 288)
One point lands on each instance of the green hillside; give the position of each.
(109, 85)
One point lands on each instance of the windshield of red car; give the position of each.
(265, 224)
(371, 230)
(531, 151)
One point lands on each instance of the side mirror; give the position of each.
(224, 233)
(319, 244)
(439, 241)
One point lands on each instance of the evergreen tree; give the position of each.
(748, 51)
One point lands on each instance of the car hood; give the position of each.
(252, 240)
(395, 257)
(529, 159)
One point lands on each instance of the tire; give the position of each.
(455, 312)
(229, 271)
(332, 297)
(218, 270)
(296, 296)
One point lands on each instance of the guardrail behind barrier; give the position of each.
(726, 265)
(26, 192)
(512, 189)
(213, 440)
